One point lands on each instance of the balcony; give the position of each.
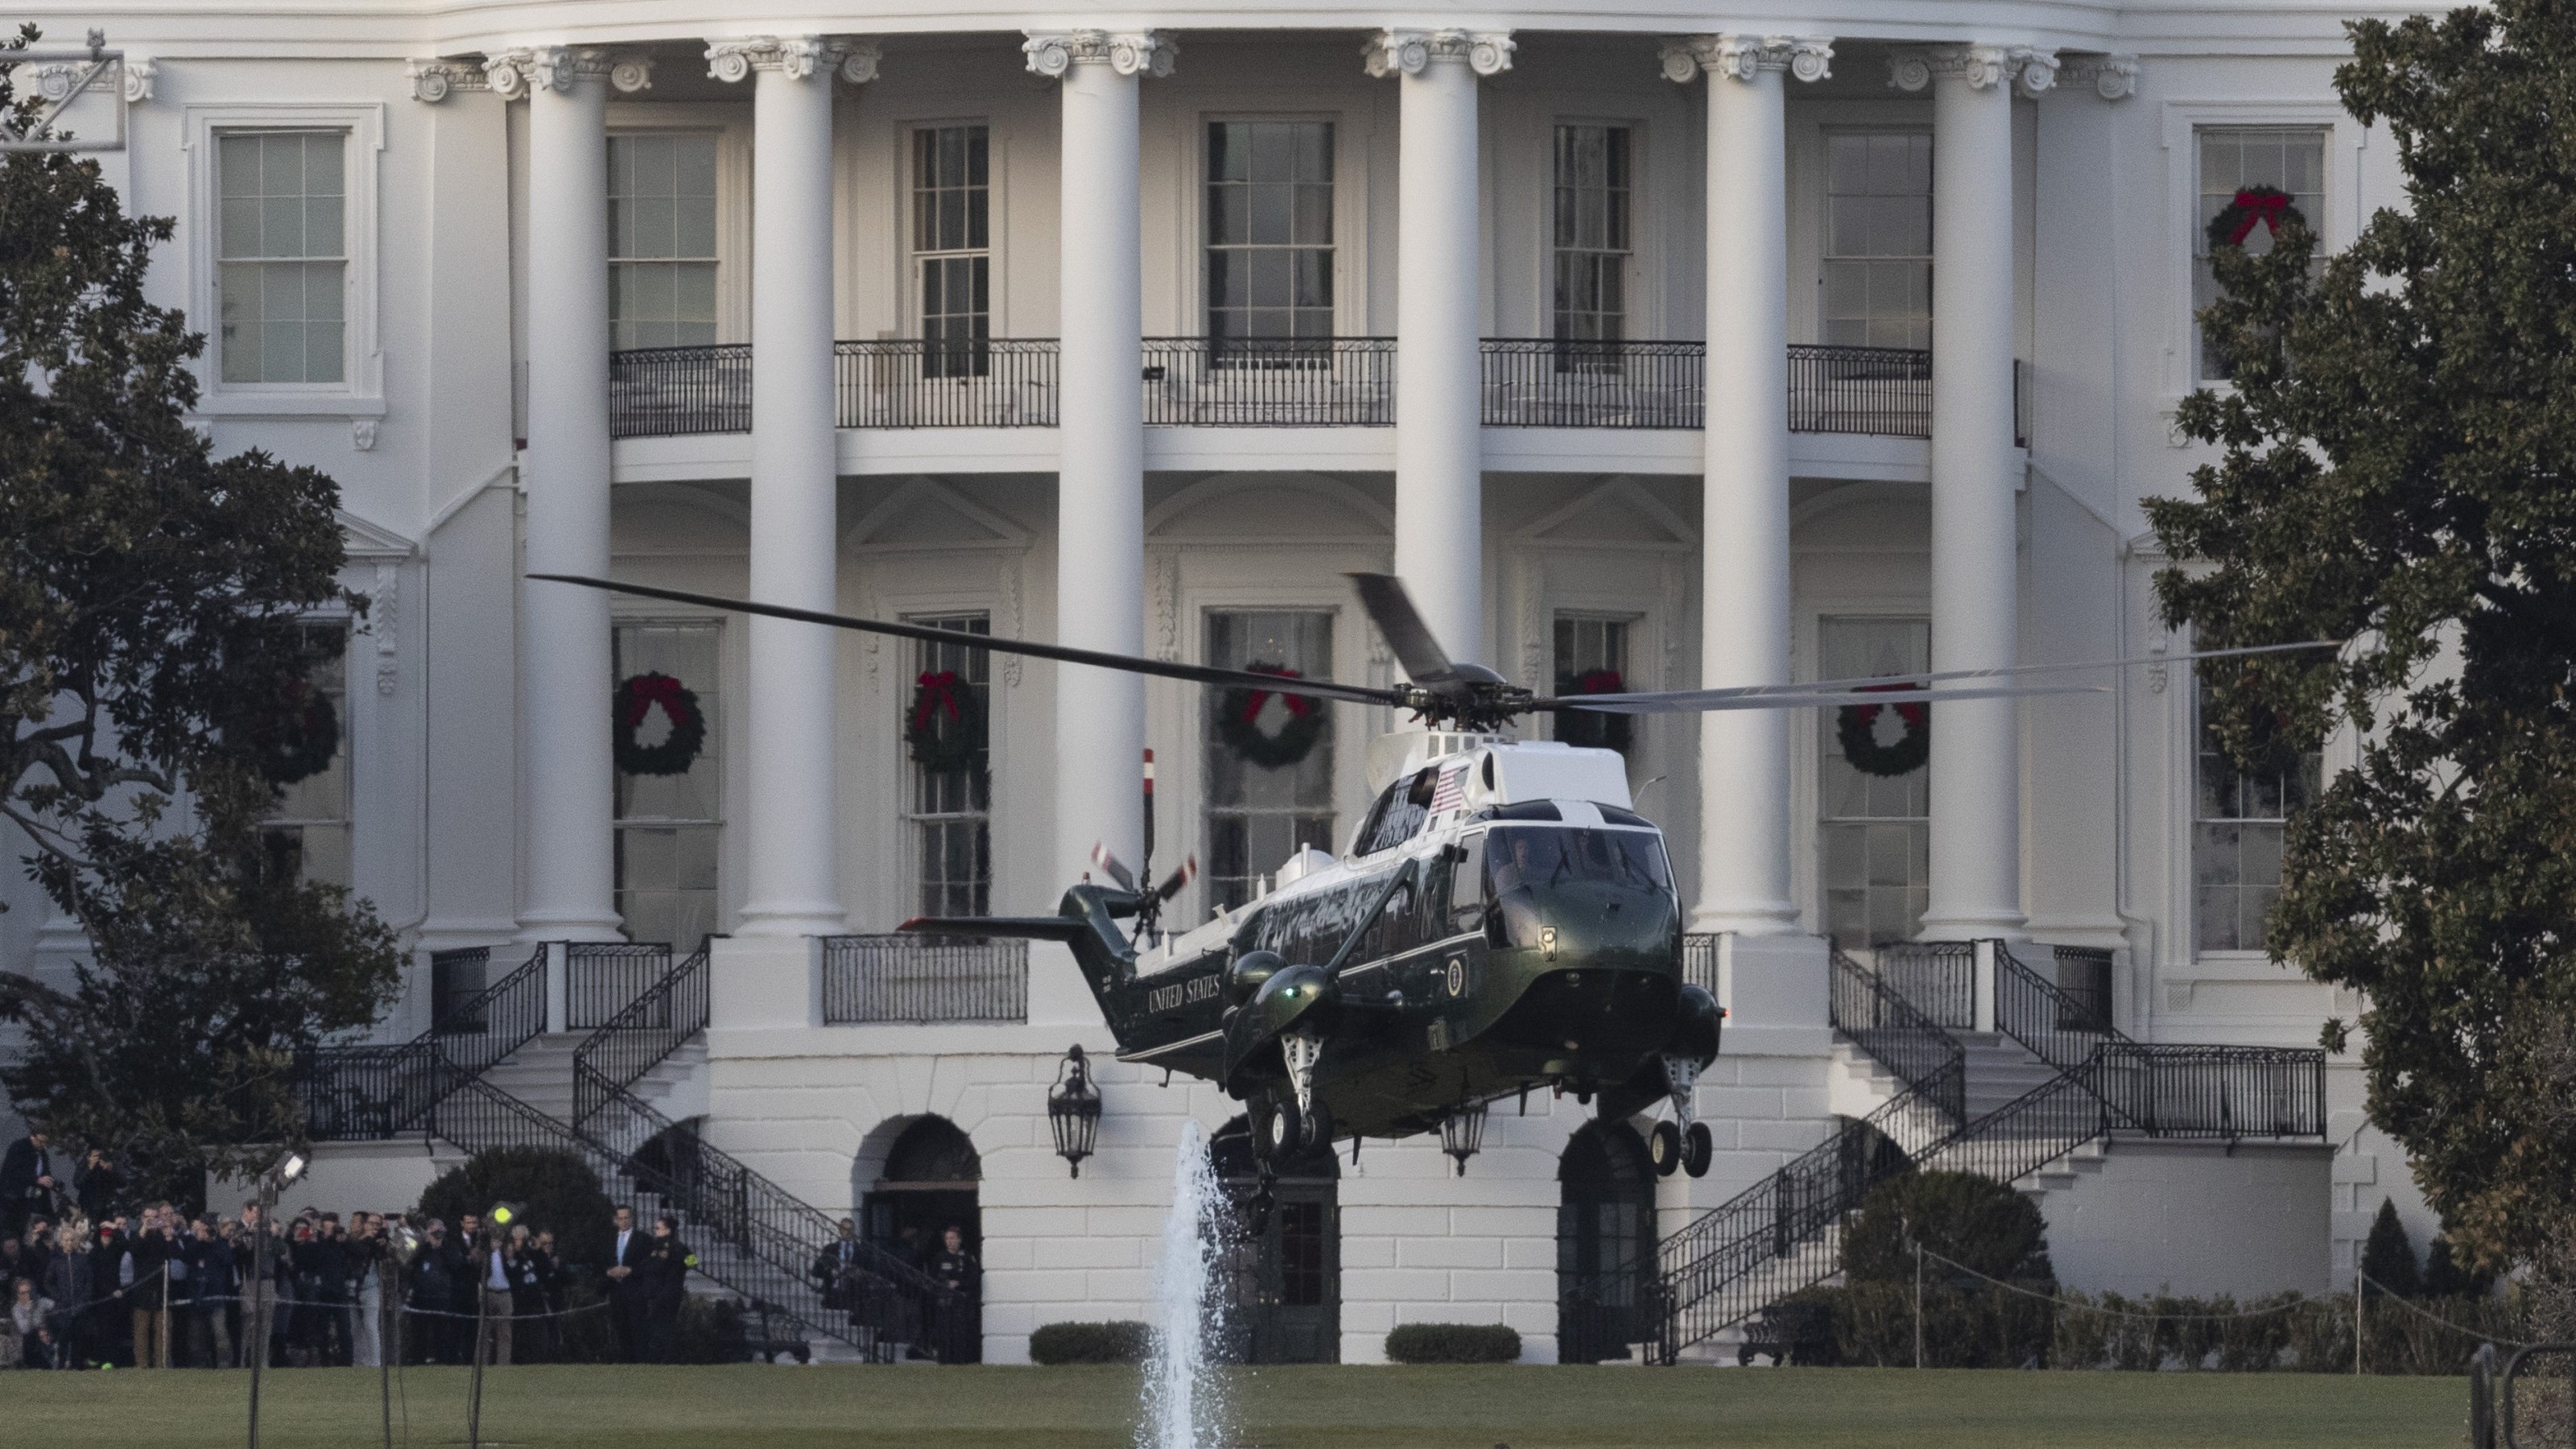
(1337, 382)
(923, 980)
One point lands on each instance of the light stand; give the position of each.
(401, 1244)
(496, 1236)
(263, 1300)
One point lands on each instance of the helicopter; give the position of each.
(1503, 919)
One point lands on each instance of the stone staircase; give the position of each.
(541, 1075)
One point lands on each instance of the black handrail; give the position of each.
(1269, 382)
(961, 382)
(1561, 383)
(923, 980)
(1904, 1040)
(749, 1234)
(1885, 391)
(2164, 1089)
(640, 1036)
(2084, 980)
(601, 978)
(370, 1093)
(1936, 978)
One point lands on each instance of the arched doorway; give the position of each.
(928, 1187)
(1605, 1244)
(1282, 1269)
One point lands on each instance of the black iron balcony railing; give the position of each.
(1323, 382)
(1269, 382)
(1543, 383)
(602, 977)
(915, 979)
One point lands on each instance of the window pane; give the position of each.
(2239, 829)
(1259, 815)
(1873, 834)
(949, 809)
(951, 205)
(2288, 158)
(669, 827)
(1591, 212)
(1878, 240)
(1269, 221)
(280, 201)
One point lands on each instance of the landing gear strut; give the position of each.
(1682, 1142)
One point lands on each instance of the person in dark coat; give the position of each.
(31, 1181)
(666, 1276)
(433, 1289)
(627, 1285)
(67, 1283)
(956, 1331)
(101, 1186)
(213, 1284)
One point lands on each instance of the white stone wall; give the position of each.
(2195, 1218)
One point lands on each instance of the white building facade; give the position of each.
(1665, 347)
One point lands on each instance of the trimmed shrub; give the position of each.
(1121, 1341)
(558, 1190)
(2388, 1255)
(1453, 1343)
(1976, 1222)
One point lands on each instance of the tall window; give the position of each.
(1873, 828)
(949, 811)
(1270, 229)
(669, 826)
(662, 239)
(2238, 820)
(1878, 239)
(2291, 159)
(1592, 236)
(307, 835)
(1258, 815)
(1592, 658)
(952, 247)
(281, 255)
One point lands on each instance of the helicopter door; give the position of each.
(1281, 1270)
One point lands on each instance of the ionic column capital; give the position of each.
(2112, 77)
(521, 72)
(1742, 57)
(1411, 52)
(1981, 66)
(798, 57)
(1052, 53)
(433, 81)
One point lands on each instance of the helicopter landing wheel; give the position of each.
(1697, 1149)
(1664, 1148)
(1283, 1131)
(1317, 1128)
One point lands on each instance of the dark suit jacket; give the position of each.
(18, 1174)
(638, 1256)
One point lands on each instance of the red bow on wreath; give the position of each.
(1911, 711)
(1299, 706)
(647, 690)
(1600, 681)
(938, 692)
(2257, 203)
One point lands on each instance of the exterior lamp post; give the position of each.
(1462, 1133)
(1073, 1109)
(263, 1296)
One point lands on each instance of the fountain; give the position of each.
(1184, 1406)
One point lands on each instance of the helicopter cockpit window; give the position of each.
(1466, 904)
(1398, 814)
(1525, 864)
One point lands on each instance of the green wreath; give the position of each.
(1238, 722)
(301, 739)
(945, 725)
(1856, 730)
(1593, 729)
(636, 698)
(2268, 206)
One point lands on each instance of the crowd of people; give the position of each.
(91, 1280)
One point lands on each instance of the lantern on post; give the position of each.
(1463, 1132)
(1073, 1109)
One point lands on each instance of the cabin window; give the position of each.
(1873, 830)
(1258, 813)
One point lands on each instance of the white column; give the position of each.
(1976, 744)
(1439, 382)
(793, 880)
(1744, 572)
(564, 683)
(1100, 472)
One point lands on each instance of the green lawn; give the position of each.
(1277, 1408)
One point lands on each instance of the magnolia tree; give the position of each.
(2397, 467)
(152, 694)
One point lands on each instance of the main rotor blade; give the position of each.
(1391, 609)
(1700, 701)
(1811, 686)
(1196, 673)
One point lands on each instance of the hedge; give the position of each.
(556, 1189)
(1453, 1343)
(1121, 1341)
